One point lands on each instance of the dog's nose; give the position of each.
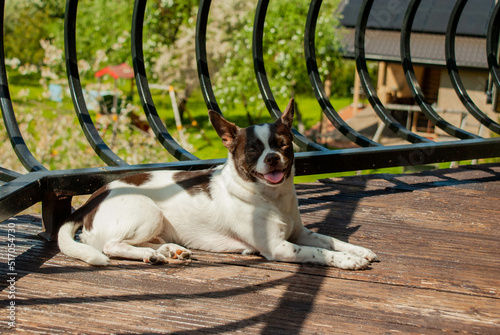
(272, 159)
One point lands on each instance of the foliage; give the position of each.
(29, 20)
(283, 53)
(103, 30)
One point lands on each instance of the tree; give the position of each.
(25, 24)
(177, 62)
(283, 53)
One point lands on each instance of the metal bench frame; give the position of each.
(55, 189)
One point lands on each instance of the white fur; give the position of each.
(263, 132)
(238, 216)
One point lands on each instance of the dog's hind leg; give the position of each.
(125, 250)
(310, 238)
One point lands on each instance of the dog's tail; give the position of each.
(74, 249)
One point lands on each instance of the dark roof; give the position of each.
(382, 41)
(383, 45)
(432, 15)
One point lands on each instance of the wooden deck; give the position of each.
(437, 235)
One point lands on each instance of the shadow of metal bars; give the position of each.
(56, 188)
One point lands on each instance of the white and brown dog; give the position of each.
(248, 205)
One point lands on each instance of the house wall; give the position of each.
(392, 83)
(475, 82)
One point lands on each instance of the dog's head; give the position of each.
(261, 153)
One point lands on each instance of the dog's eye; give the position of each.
(284, 146)
(252, 149)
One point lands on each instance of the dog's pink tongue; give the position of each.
(274, 177)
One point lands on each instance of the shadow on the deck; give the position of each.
(416, 223)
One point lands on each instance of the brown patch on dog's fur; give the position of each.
(85, 214)
(226, 130)
(243, 160)
(194, 182)
(137, 179)
(283, 142)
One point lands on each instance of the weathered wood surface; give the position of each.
(436, 233)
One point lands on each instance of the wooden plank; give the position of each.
(204, 297)
(435, 232)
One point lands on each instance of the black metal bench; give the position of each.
(55, 189)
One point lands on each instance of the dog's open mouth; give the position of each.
(273, 177)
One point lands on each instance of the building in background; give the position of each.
(428, 53)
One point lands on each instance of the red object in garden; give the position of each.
(117, 71)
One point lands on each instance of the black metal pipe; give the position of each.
(9, 118)
(411, 78)
(370, 91)
(317, 85)
(492, 44)
(261, 76)
(453, 72)
(29, 189)
(88, 127)
(201, 56)
(141, 80)
(8, 175)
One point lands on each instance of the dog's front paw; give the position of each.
(348, 261)
(174, 251)
(364, 253)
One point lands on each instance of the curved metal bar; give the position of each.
(148, 105)
(9, 117)
(370, 91)
(88, 127)
(411, 78)
(260, 70)
(317, 85)
(492, 43)
(8, 175)
(201, 56)
(456, 81)
(260, 73)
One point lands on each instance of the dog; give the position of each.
(248, 206)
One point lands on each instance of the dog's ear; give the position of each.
(226, 130)
(287, 116)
